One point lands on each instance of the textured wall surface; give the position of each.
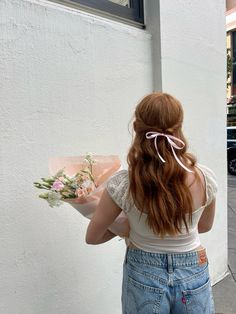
(69, 84)
(193, 63)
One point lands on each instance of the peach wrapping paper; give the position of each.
(104, 167)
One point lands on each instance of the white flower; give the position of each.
(89, 158)
(86, 183)
(54, 199)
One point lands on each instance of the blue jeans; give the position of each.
(166, 283)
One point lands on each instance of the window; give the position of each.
(231, 134)
(131, 10)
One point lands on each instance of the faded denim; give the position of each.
(166, 283)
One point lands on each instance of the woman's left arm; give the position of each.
(105, 214)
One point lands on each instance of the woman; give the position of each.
(169, 199)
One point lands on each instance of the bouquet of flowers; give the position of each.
(80, 182)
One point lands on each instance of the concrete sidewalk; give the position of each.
(225, 291)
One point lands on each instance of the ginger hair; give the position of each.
(160, 188)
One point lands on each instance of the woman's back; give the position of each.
(141, 236)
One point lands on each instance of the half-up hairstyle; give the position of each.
(160, 188)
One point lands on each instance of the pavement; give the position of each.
(225, 291)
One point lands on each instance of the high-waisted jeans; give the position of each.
(166, 283)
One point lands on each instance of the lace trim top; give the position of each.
(140, 233)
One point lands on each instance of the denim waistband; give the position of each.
(166, 260)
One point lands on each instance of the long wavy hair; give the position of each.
(158, 188)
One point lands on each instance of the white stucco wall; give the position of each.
(69, 83)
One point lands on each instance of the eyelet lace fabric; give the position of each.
(117, 187)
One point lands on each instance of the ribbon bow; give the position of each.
(170, 138)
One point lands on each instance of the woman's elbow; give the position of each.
(204, 228)
(90, 240)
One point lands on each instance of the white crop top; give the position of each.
(140, 233)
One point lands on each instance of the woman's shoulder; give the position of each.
(211, 181)
(208, 173)
(117, 187)
(118, 182)
(206, 169)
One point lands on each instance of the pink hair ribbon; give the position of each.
(170, 139)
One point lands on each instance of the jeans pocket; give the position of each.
(199, 300)
(142, 298)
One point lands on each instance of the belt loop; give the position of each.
(170, 269)
(170, 263)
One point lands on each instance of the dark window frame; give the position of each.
(135, 13)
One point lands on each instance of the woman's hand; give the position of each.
(107, 222)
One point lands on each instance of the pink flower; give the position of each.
(80, 192)
(57, 185)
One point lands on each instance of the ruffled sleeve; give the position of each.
(117, 187)
(211, 183)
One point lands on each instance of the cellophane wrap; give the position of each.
(103, 168)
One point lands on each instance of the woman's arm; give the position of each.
(108, 235)
(104, 216)
(206, 221)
